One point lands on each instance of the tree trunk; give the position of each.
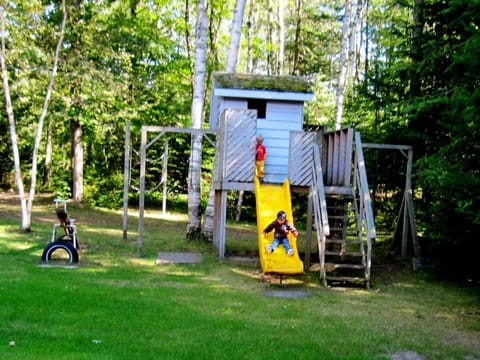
(270, 39)
(13, 132)
(47, 171)
(281, 50)
(235, 36)
(26, 206)
(43, 114)
(352, 42)
(342, 78)
(298, 27)
(359, 18)
(250, 27)
(186, 17)
(194, 193)
(416, 52)
(77, 161)
(239, 206)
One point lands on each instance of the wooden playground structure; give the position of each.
(329, 166)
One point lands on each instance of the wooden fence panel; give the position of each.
(239, 145)
(301, 157)
(337, 157)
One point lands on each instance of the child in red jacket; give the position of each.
(261, 154)
(282, 227)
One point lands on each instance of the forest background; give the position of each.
(411, 71)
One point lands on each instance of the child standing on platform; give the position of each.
(261, 154)
(282, 227)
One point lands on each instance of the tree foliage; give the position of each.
(429, 99)
(412, 78)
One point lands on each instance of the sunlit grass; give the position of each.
(118, 305)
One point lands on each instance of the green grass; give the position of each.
(116, 305)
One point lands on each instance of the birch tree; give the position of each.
(281, 50)
(235, 36)
(354, 41)
(194, 193)
(26, 203)
(342, 72)
(231, 63)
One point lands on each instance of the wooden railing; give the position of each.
(364, 215)
(320, 209)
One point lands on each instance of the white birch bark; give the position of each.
(11, 122)
(281, 50)
(77, 162)
(342, 73)
(26, 204)
(43, 114)
(194, 193)
(358, 23)
(235, 37)
(250, 27)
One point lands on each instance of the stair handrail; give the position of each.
(319, 192)
(320, 209)
(363, 188)
(365, 208)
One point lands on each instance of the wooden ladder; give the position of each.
(347, 248)
(345, 257)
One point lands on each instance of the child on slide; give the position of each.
(282, 227)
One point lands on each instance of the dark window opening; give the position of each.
(260, 105)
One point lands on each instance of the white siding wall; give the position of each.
(230, 103)
(219, 104)
(281, 118)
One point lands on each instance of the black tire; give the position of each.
(61, 245)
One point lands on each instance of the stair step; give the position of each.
(350, 253)
(336, 228)
(336, 217)
(337, 241)
(356, 279)
(350, 219)
(330, 266)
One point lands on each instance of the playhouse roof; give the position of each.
(255, 86)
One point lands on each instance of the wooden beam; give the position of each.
(220, 222)
(387, 146)
(177, 130)
(126, 178)
(409, 204)
(308, 238)
(141, 206)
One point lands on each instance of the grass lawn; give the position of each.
(115, 305)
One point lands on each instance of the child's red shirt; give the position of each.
(261, 151)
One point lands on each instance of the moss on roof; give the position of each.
(261, 82)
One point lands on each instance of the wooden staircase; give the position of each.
(345, 257)
(343, 211)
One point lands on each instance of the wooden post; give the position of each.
(126, 179)
(409, 204)
(164, 177)
(143, 155)
(308, 238)
(404, 229)
(220, 222)
(406, 214)
(141, 207)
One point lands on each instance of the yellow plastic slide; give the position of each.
(272, 198)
